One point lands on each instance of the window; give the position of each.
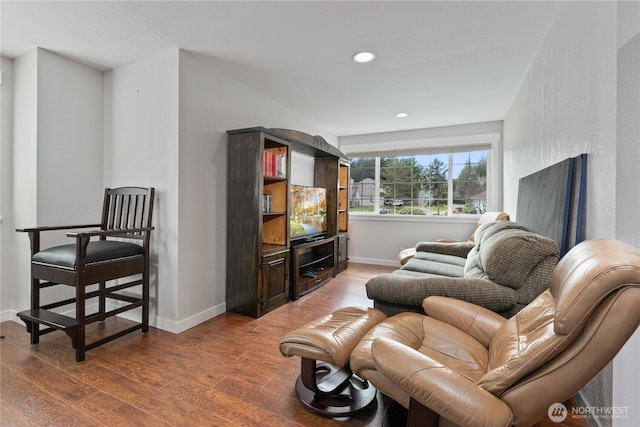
(446, 183)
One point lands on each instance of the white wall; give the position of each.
(175, 109)
(377, 239)
(57, 155)
(69, 125)
(628, 133)
(568, 105)
(6, 188)
(141, 149)
(24, 176)
(626, 370)
(211, 103)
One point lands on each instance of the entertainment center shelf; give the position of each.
(313, 265)
(267, 264)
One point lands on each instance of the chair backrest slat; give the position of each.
(110, 212)
(135, 217)
(126, 208)
(126, 204)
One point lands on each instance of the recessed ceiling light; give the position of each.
(401, 115)
(364, 57)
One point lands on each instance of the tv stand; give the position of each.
(313, 265)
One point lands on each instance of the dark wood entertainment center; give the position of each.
(265, 267)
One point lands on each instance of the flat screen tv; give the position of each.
(308, 211)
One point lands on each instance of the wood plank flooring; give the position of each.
(227, 371)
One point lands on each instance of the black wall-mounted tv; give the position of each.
(308, 211)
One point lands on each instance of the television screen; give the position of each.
(308, 211)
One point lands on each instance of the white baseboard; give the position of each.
(172, 326)
(10, 315)
(179, 326)
(374, 261)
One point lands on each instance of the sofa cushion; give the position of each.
(98, 251)
(510, 258)
(508, 254)
(457, 249)
(398, 288)
(443, 265)
(523, 341)
(471, 268)
(411, 273)
(443, 258)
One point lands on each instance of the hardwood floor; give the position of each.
(227, 371)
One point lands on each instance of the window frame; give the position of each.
(489, 142)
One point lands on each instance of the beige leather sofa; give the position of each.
(462, 364)
(503, 270)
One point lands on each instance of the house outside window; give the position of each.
(432, 184)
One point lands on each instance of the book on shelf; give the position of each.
(275, 164)
(266, 201)
(281, 165)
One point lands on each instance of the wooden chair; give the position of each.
(120, 250)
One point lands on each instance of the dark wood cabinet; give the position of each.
(342, 252)
(333, 174)
(263, 270)
(257, 222)
(274, 281)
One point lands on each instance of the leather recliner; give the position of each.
(464, 365)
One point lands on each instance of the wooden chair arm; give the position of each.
(34, 233)
(52, 228)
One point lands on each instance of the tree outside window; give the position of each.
(436, 185)
(429, 184)
(470, 186)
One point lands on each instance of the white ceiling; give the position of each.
(443, 62)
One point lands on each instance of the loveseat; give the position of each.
(503, 270)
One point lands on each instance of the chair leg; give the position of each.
(81, 319)
(420, 415)
(102, 299)
(80, 350)
(34, 328)
(145, 299)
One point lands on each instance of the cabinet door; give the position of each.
(274, 281)
(343, 251)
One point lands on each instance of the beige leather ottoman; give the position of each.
(329, 388)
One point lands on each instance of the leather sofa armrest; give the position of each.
(460, 249)
(472, 319)
(438, 388)
(409, 290)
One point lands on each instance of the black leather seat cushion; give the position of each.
(98, 251)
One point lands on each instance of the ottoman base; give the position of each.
(350, 396)
(326, 384)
